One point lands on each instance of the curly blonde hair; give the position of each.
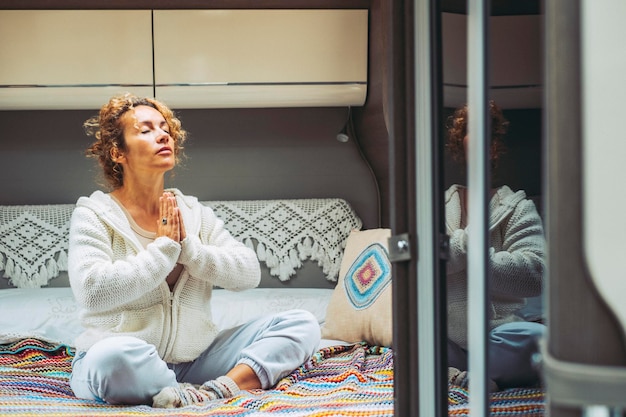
(108, 131)
(457, 130)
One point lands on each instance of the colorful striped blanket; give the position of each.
(355, 380)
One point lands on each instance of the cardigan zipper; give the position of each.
(169, 328)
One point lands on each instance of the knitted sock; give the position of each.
(457, 377)
(223, 386)
(461, 379)
(188, 394)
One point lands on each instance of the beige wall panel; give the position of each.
(604, 148)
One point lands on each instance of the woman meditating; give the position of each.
(143, 261)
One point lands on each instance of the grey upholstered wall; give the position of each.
(232, 154)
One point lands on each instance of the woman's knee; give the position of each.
(305, 324)
(111, 354)
(519, 335)
(123, 370)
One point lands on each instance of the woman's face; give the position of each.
(149, 146)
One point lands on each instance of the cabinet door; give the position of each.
(260, 58)
(62, 59)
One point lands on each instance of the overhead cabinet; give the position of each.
(67, 59)
(188, 58)
(515, 57)
(260, 58)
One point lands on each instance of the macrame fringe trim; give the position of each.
(22, 279)
(282, 266)
(285, 267)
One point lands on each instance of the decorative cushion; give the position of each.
(360, 307)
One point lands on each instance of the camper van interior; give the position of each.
(316, 129)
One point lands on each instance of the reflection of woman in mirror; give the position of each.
(516, 262)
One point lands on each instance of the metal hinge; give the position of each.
(399, 248)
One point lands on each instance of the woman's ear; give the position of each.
(116, 155)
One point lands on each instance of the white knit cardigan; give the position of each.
(121, 286)
(516, 258)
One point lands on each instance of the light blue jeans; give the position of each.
(127, 370)
(511, 348)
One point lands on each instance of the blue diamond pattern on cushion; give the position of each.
(368, 276)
